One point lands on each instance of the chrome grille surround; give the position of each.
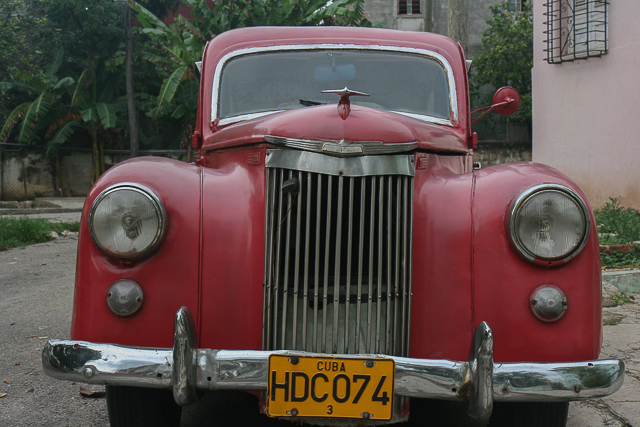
(340, 224)
(342, 148)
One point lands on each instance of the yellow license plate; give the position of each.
(302, 386)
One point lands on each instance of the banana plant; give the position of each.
(181, 43)
(92, 108)
(31, 118)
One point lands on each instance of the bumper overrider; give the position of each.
(187, 369)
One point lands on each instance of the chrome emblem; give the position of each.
(342, 147)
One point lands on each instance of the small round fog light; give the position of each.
(548, 303)
(125, 297)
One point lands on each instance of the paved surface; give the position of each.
(36, 288)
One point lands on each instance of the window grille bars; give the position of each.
(576, 29)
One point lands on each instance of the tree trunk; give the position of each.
(95, 157)
(459, 23)
(131, 103)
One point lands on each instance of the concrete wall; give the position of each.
(585, 111)
(75, 171)
(491, 153)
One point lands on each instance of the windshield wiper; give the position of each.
(308, 103)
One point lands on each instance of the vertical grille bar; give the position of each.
(398, 264)
(277, 260)
(332, 243)
(348, 275)
(307, 231)
(336, 277)
(287, 257)
(360, 261)
(389, 282)
(296, 268)
(372, 229)
(380, 251)
(316, 282)
(404, 250)
(327, 249)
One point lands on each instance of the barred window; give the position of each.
(576, 29)
(408, 7)
(515, 5)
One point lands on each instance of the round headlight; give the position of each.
(548, 223)
(127, 220)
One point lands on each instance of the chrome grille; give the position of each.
(337, 262)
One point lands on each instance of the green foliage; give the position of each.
(621, 260)
(86, 29)
(16, 232)
(507, 57)
(621, 298)
(179, 45)
(24, 49)
(617, 224)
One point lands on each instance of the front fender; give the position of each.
(465, 270)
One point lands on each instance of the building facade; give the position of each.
(433, 16)
(586, 95)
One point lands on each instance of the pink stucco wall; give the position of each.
(586, 112)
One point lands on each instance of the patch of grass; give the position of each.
(621, 260)
(618, 225)
(620, 298)
(27, 231)
(611, 320)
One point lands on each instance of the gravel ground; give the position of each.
(36, 284)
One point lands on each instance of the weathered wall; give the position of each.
(385, 10)
(24, 170)
(584, 111)
(491, 153)
(75, 171)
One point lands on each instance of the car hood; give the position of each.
(323, 122)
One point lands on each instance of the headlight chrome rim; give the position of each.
(155, 201)
(519, 203)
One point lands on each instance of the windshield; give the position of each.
(282, 80)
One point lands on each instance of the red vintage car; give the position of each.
(334, 251)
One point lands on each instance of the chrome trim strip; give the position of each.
(348, 166)
(119, 365)
(343, 148)
(453, 94)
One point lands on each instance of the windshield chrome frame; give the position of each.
(453, 95)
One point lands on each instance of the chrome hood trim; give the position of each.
(342, 148)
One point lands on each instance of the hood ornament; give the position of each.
(344, 105)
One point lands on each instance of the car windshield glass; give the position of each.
(282, 80)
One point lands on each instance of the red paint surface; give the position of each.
(464, 268)
(314, 124)
(169, 277)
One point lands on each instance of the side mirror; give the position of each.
(506, 102)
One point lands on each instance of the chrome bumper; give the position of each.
(186, 369)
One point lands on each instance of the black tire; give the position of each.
(529, 414)
(135, 406)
